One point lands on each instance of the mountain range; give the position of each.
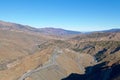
(47, 31)
(28, 53)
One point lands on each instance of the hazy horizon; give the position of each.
(61, 28)
(76, 15)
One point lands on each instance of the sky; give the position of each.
(79, 15)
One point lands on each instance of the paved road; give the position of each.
(51, 62)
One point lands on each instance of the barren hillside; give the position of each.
(28, 53)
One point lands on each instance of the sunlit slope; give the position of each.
(15, 45)
(61, 64)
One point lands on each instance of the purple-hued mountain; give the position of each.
(48, 31)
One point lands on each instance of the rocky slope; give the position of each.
(28, 53)
(60, 64)
(106, 52)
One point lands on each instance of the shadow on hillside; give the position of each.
(115, 74)
(98, 72)
(75, 76)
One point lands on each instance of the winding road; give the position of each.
(51, 62)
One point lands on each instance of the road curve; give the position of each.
(51, 62)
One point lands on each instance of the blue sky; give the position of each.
(80, 15)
